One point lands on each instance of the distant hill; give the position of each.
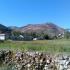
(47, 28)
(14, 28)
(4, 29)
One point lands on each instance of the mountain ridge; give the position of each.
(4, 29)
(40, 27)
(45, 28)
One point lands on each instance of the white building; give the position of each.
(2, 37)
(34, 38)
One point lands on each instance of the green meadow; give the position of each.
(62, 45)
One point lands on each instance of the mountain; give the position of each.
(13, 27)
(47, 28)
(39, 29)
(4, 29)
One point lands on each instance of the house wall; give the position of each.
(2, 36)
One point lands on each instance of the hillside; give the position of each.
(4, 29)
(48, 28)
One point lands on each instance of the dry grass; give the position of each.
(39, 45)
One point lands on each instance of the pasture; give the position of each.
(53, 46)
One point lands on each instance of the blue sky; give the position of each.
(23, 12)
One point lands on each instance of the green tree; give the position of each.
(67, 34)
(46, 36)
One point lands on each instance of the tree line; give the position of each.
(40, 36)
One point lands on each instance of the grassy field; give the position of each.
(39, 45)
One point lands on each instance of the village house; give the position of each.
(2, 37)
(34, 39)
